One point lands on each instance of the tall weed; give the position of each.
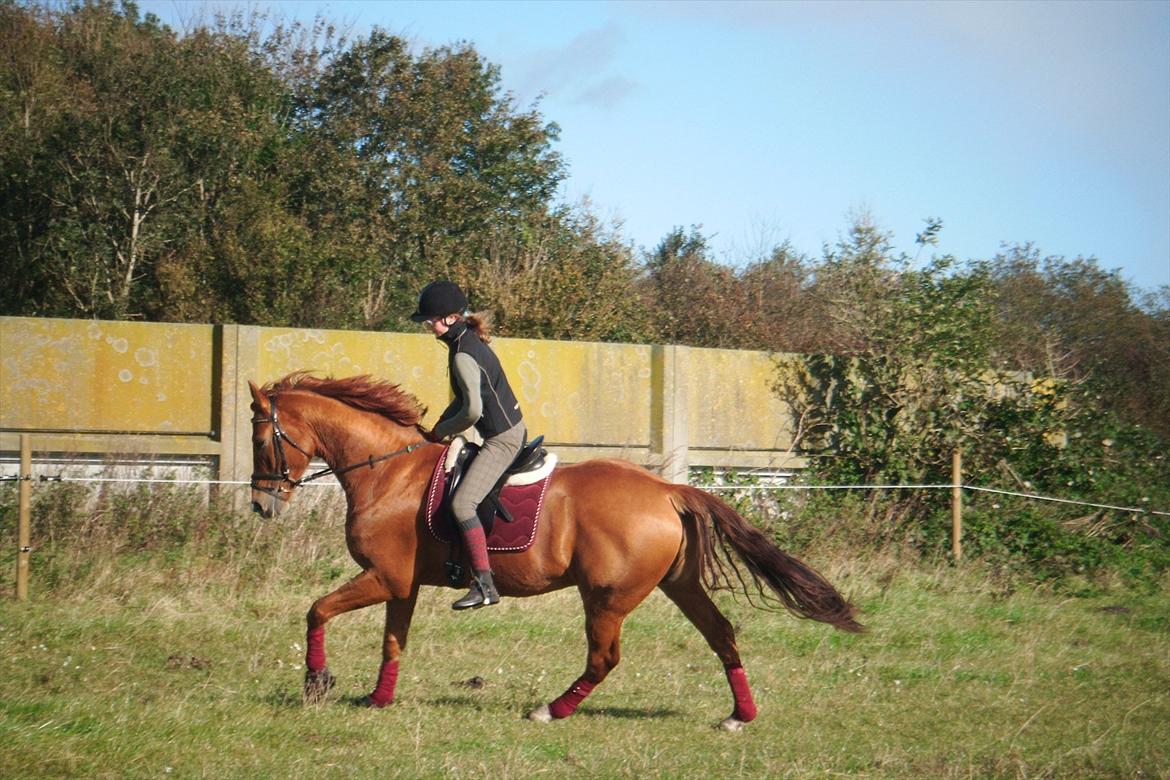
(81, 536)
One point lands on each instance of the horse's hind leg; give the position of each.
(717, 630)
(603, 629)
(362, 591)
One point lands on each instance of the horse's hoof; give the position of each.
(317, 685)
(541, 714)
(732, 724)
(368, 701)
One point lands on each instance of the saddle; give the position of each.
(532, 464)
(517, 498)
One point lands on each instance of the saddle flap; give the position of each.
(522, 503)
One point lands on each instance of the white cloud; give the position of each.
(607, 93)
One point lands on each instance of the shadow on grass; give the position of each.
(291, 698)
(285, 698)
(628, 713)
(455, 701)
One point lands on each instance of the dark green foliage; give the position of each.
(922, 367)
(286, 178)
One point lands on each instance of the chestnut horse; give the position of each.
(612, 529)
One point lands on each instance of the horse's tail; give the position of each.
(799, 589)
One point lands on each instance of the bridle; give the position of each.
(278, 439)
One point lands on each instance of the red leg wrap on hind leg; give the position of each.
(387, 680)
(315, 649)
(745, 707)
(566, 705)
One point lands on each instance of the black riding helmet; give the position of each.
(439, 299)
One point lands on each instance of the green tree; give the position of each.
(418, 164)
(904, 378)
(690, 294)
(566, 276)
(114, 182)
(158, 176)
(34, 94)
(920, 366)
(1071, 317)
(776, 310)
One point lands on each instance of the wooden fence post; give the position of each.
(25, 518)
(957, 504)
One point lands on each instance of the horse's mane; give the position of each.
(361, 392)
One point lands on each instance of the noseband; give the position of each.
(278, 439)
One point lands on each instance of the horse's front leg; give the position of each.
(362, 591)
(398, 615)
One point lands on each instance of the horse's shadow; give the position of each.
(290, 699)
(284, 698)
(455, 701)
(628, 713)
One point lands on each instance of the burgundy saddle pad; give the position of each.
(524, 502)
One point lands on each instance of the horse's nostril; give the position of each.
(257, 508)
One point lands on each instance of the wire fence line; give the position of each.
(1037, 497)
(948, 486)
(710, 487)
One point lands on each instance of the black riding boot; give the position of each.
(483, 592)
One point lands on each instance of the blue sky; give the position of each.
(1043, 122)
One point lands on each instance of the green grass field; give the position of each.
(178, 665)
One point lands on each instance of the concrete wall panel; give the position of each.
(183, 389)
(105, 376)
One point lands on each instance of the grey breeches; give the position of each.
(496, 454)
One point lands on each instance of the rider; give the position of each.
(483, 398)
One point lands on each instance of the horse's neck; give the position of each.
(346, 436)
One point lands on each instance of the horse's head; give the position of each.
(278, 457)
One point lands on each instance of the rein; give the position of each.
(278, 439)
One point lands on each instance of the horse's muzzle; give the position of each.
(267, 505)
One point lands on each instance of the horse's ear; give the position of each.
(259, 400)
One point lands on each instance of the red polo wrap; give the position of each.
(566, 705)
(315, 649)
(387, 680)
(745, 708)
